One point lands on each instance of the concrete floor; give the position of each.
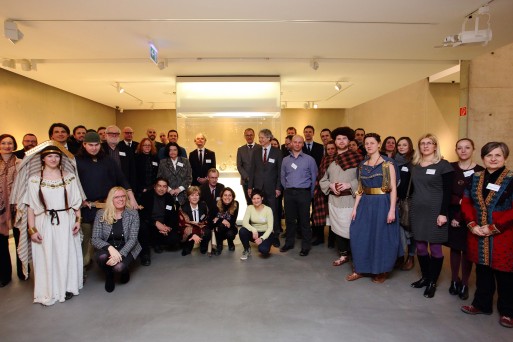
(282, 298)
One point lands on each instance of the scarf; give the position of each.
(7, 176)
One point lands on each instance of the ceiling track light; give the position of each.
(338, 87)
(119, 88)
(162, 64)
(307, 105)
(9, 63)
(27, 65)
(314, 64)
(11, 31)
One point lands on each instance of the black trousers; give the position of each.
(5, 260)
(487, 281)
(224, 233)
(297, 215)
(205, 239)
(271, 201)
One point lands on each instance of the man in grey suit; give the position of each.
(244, 160)
(264, 174)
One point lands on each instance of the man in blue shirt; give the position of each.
(298, 174)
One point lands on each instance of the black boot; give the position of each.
(455, 287)
(434, 272)
(424, 261)
(463, 292)
(109, 280)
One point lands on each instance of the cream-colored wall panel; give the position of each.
(30, 106)
(318, 118)
(140, 120)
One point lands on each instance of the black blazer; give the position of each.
(133, 146)
(170, 211)
(146, 168)
(203, 211)
(317, 152)
(201, 170)
(265, 177)
(127, 159)
(206, 196)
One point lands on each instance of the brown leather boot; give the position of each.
(408, 264)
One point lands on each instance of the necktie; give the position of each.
(201, 157)
(250, 146)
(310, 147)
(214, 194)
(195, 215)
(265, 155)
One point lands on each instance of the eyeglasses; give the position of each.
(113, 134)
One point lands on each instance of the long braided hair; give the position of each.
(47, 151)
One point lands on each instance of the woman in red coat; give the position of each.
(488, 207)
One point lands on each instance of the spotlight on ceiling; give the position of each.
(9, 63)
(27, 65)
(338, 87)
(11, 31)
(120, 89)
(314, 64)
(162, 64)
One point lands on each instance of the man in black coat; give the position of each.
(211, 191)
(121, 154)
(312, 148)
(159, 220)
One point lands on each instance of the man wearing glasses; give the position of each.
(128, 138)
(122, 155)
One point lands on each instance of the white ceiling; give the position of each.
(378, 46)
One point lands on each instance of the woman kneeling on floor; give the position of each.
(115, 237)
(257, 226)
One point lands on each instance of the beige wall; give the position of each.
(490, 108)
(31, 106)
(413, 111)
(318, 118)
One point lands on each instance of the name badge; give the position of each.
(208, 161)
(155, 163)
(262, 219)
(430, 171)
(218, 198)
(294, 166)
(271, 160)
(405, 169)
(168, 207)
(468, 173)
(179, 164)
(493, 187)
(122, 154)
(202, 217)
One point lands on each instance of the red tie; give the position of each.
(265, 155)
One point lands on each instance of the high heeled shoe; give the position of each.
(463, 293)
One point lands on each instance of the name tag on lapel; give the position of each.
(493, 187)
(122, 153)
(404, 169)
(155, 163)
(179, 164)
(169, 207)
(202, 217)
(271, 160)
(468, 173)
(208, 161)
(430, 171)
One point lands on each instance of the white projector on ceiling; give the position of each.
(476, 36)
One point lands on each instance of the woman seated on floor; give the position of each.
(257, 226)
(193, 217)
(115, 237)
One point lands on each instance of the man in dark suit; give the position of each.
(76, 140)
(211, 190)
(29, 141)
(244, 154)
(121, 154)
(359, 135)
(159, 220)
(201, 159)
(291, 131)
(152, 135)
(312, 148)
(264, 174)
(128, 138)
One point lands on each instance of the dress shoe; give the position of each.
(231, 245)
(408, 264)
(506, 321)
(472, 310)
(4, 282)
(145, 260)
(185, 251)
(276, 243)
(109, 282)
(286, 248)
(317, 242)
(68, 296)
(430, 290)
(455, 287)
(422, 282)
(157, 249)
(463, 294)
(304, 252)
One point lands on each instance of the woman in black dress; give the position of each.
(464, 168)
(146, 166)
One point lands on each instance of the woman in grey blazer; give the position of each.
(177, 170)
(115, 237)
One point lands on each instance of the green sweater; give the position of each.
(259, 221)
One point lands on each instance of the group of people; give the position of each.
(67, 195)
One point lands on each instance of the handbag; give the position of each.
(404, 209)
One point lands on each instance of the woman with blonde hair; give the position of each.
(115, 237)
(432, 181)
